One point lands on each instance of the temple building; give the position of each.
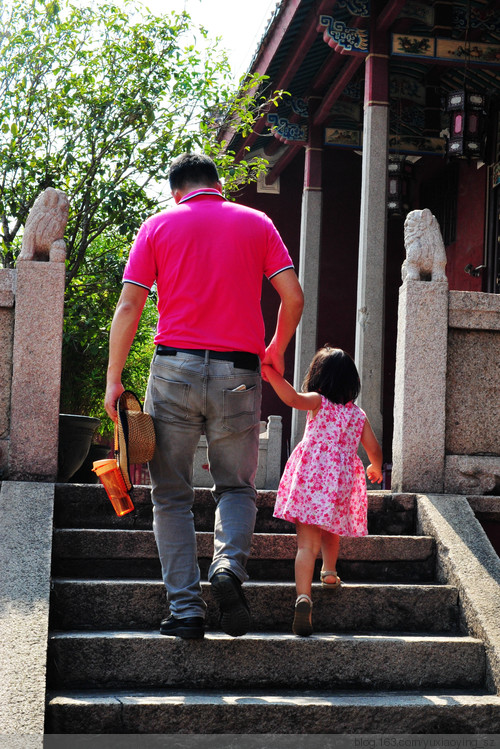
(391, 106)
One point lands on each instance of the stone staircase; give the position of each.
(388, 654)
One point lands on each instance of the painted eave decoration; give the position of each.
(316, 50)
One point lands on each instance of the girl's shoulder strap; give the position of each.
(358, 417)
(359, 410)
(312, 414)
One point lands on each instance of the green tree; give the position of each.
(96, 101)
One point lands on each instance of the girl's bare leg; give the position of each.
(330, 552)
(308, 546)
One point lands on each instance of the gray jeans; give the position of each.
(187, 396)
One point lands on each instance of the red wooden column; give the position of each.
(372, 236)
(310, 247)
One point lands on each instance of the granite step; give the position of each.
(138, 659)
(141, 604)
(387, 655)
(87, 506)
(95, 553)
(180, 711)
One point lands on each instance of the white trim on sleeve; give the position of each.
(136, 283)
(288, 267)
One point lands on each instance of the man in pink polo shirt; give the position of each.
(208, 257)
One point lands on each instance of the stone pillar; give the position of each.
(309, 266)
(420, 388)
(372, 237)
(36, 371)
(25, 559)
(7, 299)
(273, 457)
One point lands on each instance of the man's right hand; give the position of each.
(123, 329)
(113, 392)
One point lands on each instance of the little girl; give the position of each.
(323, 488)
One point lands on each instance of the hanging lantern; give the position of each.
(399, 172)
(467, 123)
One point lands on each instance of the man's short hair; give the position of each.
(192, 169)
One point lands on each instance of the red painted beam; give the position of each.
(391, 11)
(283, 162)
(326, 73)
(323, 78)
(265, 55)
(275, 144)
(306, 35)
(338, 86)
(384, 21)
(269, 48)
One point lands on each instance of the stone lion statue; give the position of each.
(45, 226)
(425, 253)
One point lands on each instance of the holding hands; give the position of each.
(273, 359)
(311, 401)
(264, 370)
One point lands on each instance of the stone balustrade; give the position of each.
(447, 391)
(31, 320)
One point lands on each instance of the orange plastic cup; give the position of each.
(112, 480)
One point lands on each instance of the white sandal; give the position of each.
(302, 624)
(326, 573)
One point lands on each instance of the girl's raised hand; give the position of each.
(374, 474)
(374, 452)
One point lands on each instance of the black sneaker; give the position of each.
(190, 628)
(234, 612)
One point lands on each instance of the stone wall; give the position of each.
(447, 397)
(472, 439)
(7, 295)
(31, 319)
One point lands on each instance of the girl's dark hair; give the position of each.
(333, 373)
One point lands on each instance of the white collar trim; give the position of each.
(203, 191)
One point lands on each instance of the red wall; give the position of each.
(339, 248)
(469, 245)
(471, 216)
(395, 256)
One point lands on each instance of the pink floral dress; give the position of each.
(324, 482)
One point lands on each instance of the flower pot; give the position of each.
(75, 437)
(85, 474)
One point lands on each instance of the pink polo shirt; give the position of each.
(208, 257)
